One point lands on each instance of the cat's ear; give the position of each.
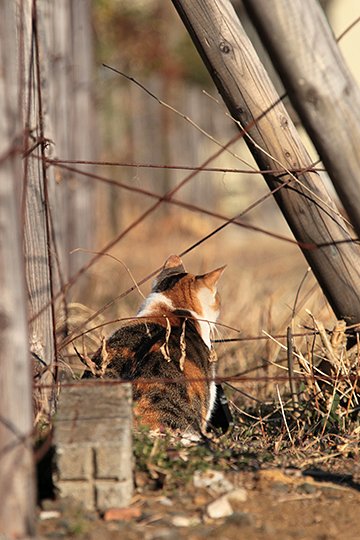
(173, 265)
(174, 262)
(211, 278)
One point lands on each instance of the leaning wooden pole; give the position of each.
(17, 494)
(321, 87)
(273, 140)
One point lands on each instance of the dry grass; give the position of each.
(264, 292)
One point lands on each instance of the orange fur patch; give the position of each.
(197, 385)
(145, 414)
(184, 295)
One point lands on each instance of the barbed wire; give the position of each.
(168, 198)
(57, 161)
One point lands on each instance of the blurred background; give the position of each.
(177, 119)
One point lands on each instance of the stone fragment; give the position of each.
(166, 501)
(212, 480)
(49, 514)
(219, 508)
(184, 521)
(307, 488)
(180, 521)
(236, 496)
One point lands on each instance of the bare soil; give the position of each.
(309, 489)
(282, 502)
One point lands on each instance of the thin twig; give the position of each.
(283, 415)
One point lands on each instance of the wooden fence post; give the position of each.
(82, 135)
(276, 145)
(36, 204)
(17, 495)
(57, 71)
(320, 85)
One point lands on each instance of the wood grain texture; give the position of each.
(17, 496)
(81, 134)
(37, 241)
(248, 93)
(320, 85)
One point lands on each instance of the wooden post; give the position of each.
(36, 205)
(17, 500)
(276, 145)
(56, 78)
(320, 85)
(81, 134)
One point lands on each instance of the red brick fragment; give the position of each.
(122, 514)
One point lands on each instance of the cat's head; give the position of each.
(195, 293)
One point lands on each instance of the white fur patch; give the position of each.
(212, 399)
(208, 316)
(152, 301)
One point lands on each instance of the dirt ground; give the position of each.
(317, 502)
(266, 488)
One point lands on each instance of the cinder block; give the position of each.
(114, 461)
(110, 494)
(93, 412)
(93, 444)
(82, 492)
(74, 462)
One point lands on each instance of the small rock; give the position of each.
(122, 514)
(219, 508)
(183, 521)
(49, 514)
(307, 488)
(180, 521)
(165, 501)
(213, 480)
(238, 495)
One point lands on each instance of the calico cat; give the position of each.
(166, 352)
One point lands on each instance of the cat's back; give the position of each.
(166, 351)
(149, 349)
(170, 371)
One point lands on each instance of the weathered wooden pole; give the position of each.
(248, 93)
(66, 56)
(36, 205)
(82, 135)
(17, 500)
(321, 87)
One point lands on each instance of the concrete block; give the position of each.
(114, 460)
(74, 462)
(93, 444)
(82, 492)
(93, 411)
